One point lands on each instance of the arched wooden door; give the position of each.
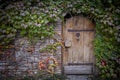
(78, 34)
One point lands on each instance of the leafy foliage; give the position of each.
(36, 18)
(107, 52)
(50, 48)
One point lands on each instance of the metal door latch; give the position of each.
(68, 43)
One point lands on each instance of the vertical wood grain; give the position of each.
(81, 51)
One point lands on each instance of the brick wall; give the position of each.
(26, 56)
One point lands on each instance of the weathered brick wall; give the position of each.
(26, 57)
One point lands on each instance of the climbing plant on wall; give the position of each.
(37, 18)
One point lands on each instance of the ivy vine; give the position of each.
(35, 18)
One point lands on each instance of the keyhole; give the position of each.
(78, 36)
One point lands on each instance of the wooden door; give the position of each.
(78, 33)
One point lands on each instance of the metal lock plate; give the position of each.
(68, 43)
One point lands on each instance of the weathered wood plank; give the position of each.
(78, 69)
(88, 41)
(78, 77)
